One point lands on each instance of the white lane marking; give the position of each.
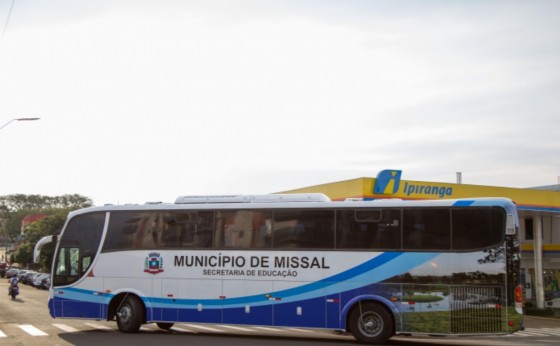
(2, 335)
(531, 333)
(300, 330)
(182, 329)
(269, 329)
(195, 326)
(97, 326)
(29, 329)
(237, 328)
(553, 331)
(65, 328)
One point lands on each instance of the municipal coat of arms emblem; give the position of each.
(153, 263)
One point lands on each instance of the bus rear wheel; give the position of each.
(129, 315)
(371, 323)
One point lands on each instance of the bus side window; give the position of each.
(263, 229)
(369, 229)
(219, 230)
(240, 231)
(243, 229)
(388, 235)
(170, 230)
(477, 228)
(305, 228)
(203, 233)
(84, 264)
(427, 229)
(352, 231)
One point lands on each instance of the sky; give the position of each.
(150, 100)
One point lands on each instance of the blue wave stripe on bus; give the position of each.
(375, 264)
(261, 299)
(83, 295)
(380, 268)
(375, 270)
(400, 264)
(483, 202)
(463, 203)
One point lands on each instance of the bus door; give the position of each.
(71, 264)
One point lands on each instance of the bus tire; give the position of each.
(130, 315)
(164, 325)
(371, 323)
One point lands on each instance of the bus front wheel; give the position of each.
(129, 315)
(371, 323)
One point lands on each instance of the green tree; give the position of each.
(20, 201)
(24, 254)
(13, 208)
(50, 225)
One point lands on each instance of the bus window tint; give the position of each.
(368, 229)
(476, 228)
(132, 230)
(303, 228)
(243, 229)
(186, 229)
(368, 215)
(426, 229)
(194, 229)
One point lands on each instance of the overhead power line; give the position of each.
(8, 19)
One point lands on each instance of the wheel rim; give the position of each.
(125, 314)
(371, 324)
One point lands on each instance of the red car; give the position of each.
(3, 268)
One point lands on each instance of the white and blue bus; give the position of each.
(371, 268)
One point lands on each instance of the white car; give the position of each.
(553, 303)
(38, 279)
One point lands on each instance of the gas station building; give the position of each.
(538, 208)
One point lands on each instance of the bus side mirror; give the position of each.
(42, 242)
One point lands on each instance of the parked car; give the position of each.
(38, 279)
(30, 280)
(21, 274)
(11, 272)
(46, 282)
(27, 279)
(553, 303)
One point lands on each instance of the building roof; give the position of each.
(544, 200)
(547, 187)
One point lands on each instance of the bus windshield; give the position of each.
(78, 248)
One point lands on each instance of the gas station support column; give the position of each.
(538, 253)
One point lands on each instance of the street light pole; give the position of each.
(18, 119)
(6, 124)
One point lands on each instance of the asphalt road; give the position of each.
(26, 321)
